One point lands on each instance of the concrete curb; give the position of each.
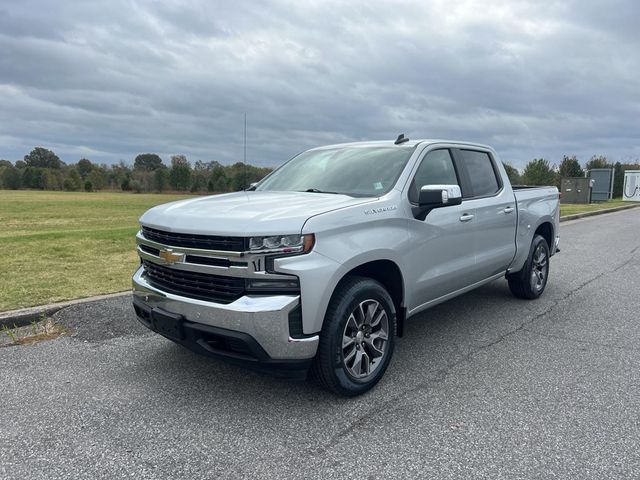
(597, 212)
(24, 316)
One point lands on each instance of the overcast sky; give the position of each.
(109, 79)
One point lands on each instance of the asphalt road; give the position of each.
(484, 386)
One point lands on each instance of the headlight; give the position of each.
(282, 244)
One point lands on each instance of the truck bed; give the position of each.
(535, 205)
(529, 187)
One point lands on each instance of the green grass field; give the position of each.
(59, 246)
(570, 209)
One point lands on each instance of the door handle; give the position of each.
(466, 217)
(509, 210)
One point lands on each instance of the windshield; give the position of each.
(355, 171)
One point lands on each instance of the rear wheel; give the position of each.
(530, 282)
(357, 338)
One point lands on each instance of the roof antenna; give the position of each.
(401, 139)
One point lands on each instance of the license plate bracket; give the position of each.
(168, 324)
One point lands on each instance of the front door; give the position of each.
(443, 251)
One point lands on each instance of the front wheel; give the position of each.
(530, 282)
(357, 338)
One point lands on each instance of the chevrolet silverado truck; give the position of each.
(318, 266)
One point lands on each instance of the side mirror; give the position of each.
(436, 196)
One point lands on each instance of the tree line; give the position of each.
(42, 169)
(540, 171)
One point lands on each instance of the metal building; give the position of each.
(631, 187)
(575, 190)
(602, 187)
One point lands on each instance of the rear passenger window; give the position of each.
(481, 173)
(436, 169)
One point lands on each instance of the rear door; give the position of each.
(495, 211)
(443, 251)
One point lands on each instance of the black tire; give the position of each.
(523, 284)
(331, 365)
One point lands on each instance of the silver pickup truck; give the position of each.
(319, 265)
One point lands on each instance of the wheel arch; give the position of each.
(545, 230)
(388, 273)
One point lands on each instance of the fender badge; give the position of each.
(388, 208)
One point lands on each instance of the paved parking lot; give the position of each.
(482, 386)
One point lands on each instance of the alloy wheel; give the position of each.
(539, 269)
(365, 339)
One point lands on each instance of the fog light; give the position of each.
(272, 285)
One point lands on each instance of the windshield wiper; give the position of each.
(315, 190)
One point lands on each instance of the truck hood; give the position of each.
(245, 213)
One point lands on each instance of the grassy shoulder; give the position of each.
(63, 245)
(572, 209)
(60, 246)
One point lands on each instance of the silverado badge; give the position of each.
(169, 256)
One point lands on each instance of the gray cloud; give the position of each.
(114, 78)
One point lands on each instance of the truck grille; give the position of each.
(187, 240)
(213, 288)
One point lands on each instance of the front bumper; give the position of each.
(260, 319)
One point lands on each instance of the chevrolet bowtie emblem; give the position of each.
(170, 256)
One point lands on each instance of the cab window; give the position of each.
(436, 168)
(482, 175)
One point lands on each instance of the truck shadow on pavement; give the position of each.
(433, 340)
